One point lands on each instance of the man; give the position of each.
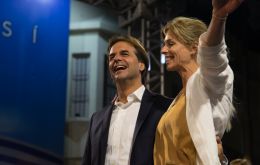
(124, 132)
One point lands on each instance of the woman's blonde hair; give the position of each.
(186, 30)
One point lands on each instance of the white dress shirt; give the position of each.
(121, 130)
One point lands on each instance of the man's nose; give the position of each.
(117, 57)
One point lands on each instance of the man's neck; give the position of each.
(124, 89)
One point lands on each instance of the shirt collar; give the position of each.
(139, 92)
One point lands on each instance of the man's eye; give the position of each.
(111, 57)
(124, 53)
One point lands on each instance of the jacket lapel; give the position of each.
(105, 130)
(146, 104)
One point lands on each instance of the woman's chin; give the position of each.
(170, 68)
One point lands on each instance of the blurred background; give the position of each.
(54, 73)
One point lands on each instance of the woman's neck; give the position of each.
(187, 72)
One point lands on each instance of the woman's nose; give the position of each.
(164, 50)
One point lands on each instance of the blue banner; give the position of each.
(33, 70)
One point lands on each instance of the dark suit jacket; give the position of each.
(151, 109)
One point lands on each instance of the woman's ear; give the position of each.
(194, 51)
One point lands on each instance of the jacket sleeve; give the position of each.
(87, 154)
(217, 78)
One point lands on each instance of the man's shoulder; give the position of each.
(157, 95)
(158, 98)
(99, 114)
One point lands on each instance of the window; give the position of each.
(79, 91)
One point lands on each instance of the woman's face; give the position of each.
(177, 55)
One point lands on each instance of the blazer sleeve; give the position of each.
(216, 74)
(217, 79)
(87, 154)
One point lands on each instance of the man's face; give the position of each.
(123, 62)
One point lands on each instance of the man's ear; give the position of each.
(141, 66)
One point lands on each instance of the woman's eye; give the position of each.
(169, 44)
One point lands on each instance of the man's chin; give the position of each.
(118, 77)
(121, 78)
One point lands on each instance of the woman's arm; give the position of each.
(216, 30)
(217, 75)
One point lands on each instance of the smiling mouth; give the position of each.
(119, 68)
(168, 59)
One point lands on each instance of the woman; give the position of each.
(186, 134)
